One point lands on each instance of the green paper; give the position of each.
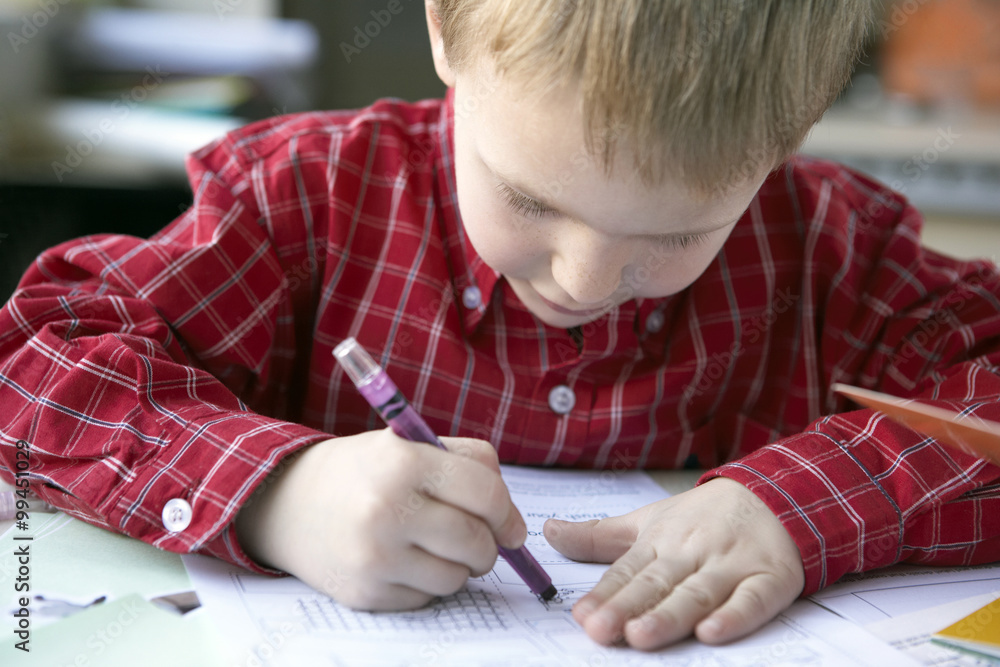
(72, 565)
(127, 632)
(73, 561)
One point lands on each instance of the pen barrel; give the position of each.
(409, 426)
(382, 394)
(529, 570)
(396, 411)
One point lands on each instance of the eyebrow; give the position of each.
(516, 187)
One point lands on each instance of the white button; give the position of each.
(561, 399)
(176, 515)
(654, 321)
(472, 297)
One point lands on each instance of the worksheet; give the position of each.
(905, 604)
(496, 620)
(911, 633)
(904, 589)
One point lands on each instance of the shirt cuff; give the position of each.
(212, 470)
(835, 510)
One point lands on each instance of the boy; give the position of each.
(596, 252)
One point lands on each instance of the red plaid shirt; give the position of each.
(188, 365)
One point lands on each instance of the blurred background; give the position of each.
(101, 101)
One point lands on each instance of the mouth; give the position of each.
(569, 311)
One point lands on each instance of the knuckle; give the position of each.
(472, 448)
(473, 530)
(495, 493)
(700, 596)
(658, 583)
(368, 559)
(401, 460)
(454, 580)
(618, 576)
(373, 510)
(754, 604)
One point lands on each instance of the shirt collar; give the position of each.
(474, 281)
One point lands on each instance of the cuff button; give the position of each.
(176, 515)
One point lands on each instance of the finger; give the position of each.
(655, 623)
(472, 487)
(594, 541)
(756, 600)
(604, 622)
(429, 574)
(383, 597)
(475, 449)
(446, 532)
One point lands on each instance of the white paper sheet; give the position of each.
(904, 605)
(903, 589)
(911, 633)
(496, 620)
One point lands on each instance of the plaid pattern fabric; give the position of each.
(188, 365)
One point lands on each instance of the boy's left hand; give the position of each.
(713, 560)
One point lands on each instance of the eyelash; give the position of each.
(528, 207)
(683, 242)
(522, 205)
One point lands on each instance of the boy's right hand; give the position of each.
(381, 523)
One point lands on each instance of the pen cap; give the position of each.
(356, 362)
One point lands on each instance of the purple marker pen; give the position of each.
(383, 395)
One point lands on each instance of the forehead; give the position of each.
(536, 141)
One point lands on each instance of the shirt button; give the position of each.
(654, 322)
(176, 515)
(561, 399)
(472, 298)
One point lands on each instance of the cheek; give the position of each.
(496, 236)
(503, 240)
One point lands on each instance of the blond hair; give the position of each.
(707, 91)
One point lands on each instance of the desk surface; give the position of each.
(78, 560)
(71, 563)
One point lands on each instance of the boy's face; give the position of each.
(572, 240)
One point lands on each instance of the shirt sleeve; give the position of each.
(140, 371)
(855, 490)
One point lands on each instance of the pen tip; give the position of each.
(549, 592)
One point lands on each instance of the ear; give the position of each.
(441, 65)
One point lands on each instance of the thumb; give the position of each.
(475, 449)
(594, 541)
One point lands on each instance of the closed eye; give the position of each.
(532, 208)
(521, 204)
(683, 241)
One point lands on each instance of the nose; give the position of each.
(588, 267)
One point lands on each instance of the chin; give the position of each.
(565, 321)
